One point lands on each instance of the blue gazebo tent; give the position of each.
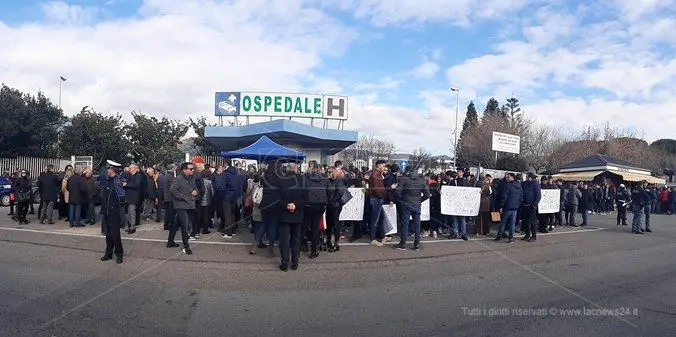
(265, 150)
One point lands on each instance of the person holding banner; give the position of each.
(459, 223)
(411, 191)
(510, 200)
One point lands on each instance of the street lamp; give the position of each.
(455, 130)
(63, 79)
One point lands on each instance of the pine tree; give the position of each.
(471, 122)
(492, 108)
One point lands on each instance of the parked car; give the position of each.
(5, 187)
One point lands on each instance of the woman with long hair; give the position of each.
(336, 190)
(271, 208)
(484, 220)
(315, 197)
(22, 193)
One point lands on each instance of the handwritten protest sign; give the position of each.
(354, 209)
(550, 202)
(462, 201)
(390, 219)
(424, 211)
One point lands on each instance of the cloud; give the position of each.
(63, 13)
(457, 12)
(172, 57)
(385, 83)
(427, 69)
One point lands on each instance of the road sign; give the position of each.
(403, 164)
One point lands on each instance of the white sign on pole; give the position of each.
(424, 211)
(390, 219)
(354, 209)
(461, 201)
(504, 142)
(550, 202)
(276, 104)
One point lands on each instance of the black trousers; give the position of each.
(22, 210)
(333, 224)
(11, 208)
(113, 238)
(182, 222)
(312, 215)
(529, 223)
(203, 217)
(289, 242)
(169, 214)
(621, 214)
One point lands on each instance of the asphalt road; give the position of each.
(55, 285)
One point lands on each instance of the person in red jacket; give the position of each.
(664, 200)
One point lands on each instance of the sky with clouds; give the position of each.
(571, 63)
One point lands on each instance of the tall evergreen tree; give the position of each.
(471, 122)
(492, 108)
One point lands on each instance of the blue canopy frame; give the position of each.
(265, 150)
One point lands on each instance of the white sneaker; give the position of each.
(192, 238)
(434, 234)
(387, 239)
(376, 243)
(226, 236)
(425, 234)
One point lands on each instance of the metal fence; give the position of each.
(9, 166)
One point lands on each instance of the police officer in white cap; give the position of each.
(112, 208)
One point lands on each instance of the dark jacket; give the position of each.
(112, 201)
(587, 200)
(316, 189)
(271, 203)
(166, 186)
(511, 196)
(573, 196)
(134, 188)
(76, 190)
(181, 190)
(640, 196)
(22, 186)
(233, 185)
(461, 182)
(531, 192)
(391, 195)
(49, 186)
(90, 189)
(291, 191)
(336, 190)
(412, 191)
(151, 188)
(622, 196)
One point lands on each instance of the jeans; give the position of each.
(74, 213)
(462, 229)
(647, 218)
(182, 221)
(169, 215)
(585, 216)
(572, 214)
(91, 213)
(131, 215)
(268, 225)
(148, 207)
(228, 220)
(376, 213)
(47, 211)
(409, 212)
(508, 219)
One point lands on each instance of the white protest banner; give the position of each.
(550, 202)
(390, 219)
(461, 201)
(424, 211)
(354, 209)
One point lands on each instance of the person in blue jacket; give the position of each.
(112, 210)
(511, 196)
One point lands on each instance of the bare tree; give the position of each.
(478, 144)
(543, 140)
(368, 146)
(420, 159)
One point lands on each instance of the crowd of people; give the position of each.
(301, 211)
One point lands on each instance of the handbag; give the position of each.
(12, 197)
(346, 197)
(249, 201)
(495, 216)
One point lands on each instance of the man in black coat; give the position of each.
(411, 192)
(48, 185)
(112, 210)
(291, 219)
(133, 186)
(76, 198)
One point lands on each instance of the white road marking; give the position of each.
(225, 243)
